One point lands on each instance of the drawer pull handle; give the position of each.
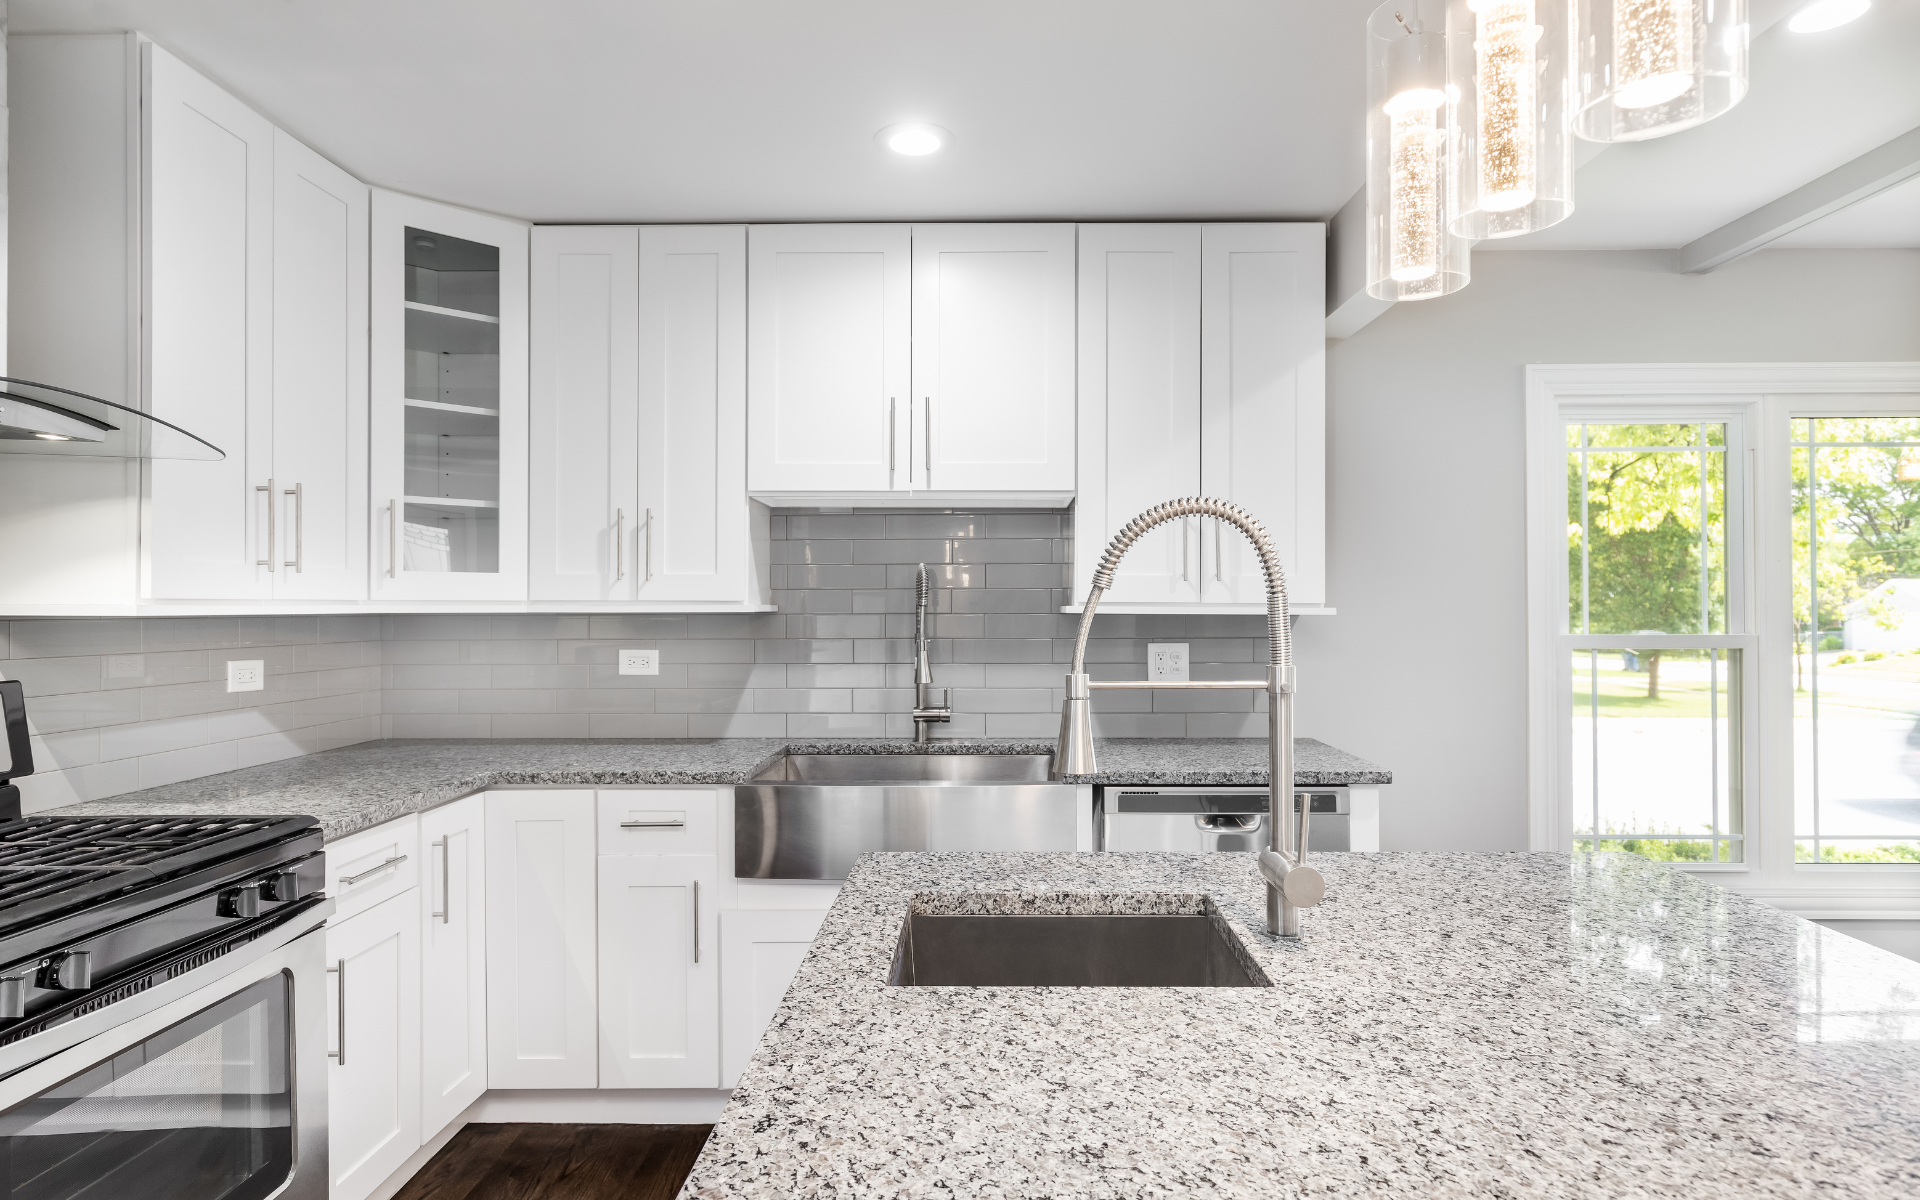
(653, 824)
(372, 871)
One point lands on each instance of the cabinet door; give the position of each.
(319, 377)
(581, 490)
(540, 940)
(993, 358)
(1263, 404)
(828, 329)
(1139, 405)
(373, 1076)
(691, 540)
(209, 344)
(659, 971)
(448, 439)
(453, 961)
(760, 952)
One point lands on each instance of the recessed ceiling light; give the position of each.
(1826, 14)
(914, 139)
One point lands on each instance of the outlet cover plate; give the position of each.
(1167, 662)
(640, 662)
(246, 675)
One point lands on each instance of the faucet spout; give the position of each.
(926, 710)
(1291, 884)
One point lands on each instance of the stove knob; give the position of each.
(67, 971)
(281, 886)
(13, 997)
(242, 901)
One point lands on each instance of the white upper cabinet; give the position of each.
(638, 418)
(926, 364)
(449, 402)
(1202, 372)
(1263, 410)
(582, 490)
(698, 532)
(319, 377)
(208, 162)
(1139, 406)
(829, 320)
(993, 360)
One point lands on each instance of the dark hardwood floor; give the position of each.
(560, 1162)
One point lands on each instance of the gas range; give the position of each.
(96, 909)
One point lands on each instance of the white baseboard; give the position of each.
(583, 1106)
(598, 1106)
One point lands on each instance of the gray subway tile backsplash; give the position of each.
(118, 704)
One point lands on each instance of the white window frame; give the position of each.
(1755, 400)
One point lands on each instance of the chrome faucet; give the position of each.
(925, 711)
(1291, 884)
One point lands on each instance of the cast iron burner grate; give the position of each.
(54, 864)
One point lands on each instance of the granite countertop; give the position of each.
(1449, 1025)
(358, 787)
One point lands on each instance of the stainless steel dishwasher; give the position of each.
(1203, 819)
(808, 816)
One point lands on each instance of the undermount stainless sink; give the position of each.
(809, 816)
(1107, 950)
(907, 768)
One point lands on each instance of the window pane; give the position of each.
(1646, 529)
(1656, 754)
(1856, 498)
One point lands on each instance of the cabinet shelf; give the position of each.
(449, 502)
(473, 410)
(459, 313)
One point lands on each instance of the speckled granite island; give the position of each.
(1450, 1025)
(358, 787)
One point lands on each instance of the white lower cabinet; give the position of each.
(659, 971)
(373, 1094)
(453, 962)
(760, 951)
(541, 1027)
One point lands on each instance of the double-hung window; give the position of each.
(1724, 623)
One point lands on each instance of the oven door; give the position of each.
(218, 1094)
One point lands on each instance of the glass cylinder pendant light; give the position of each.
(1411, 254)
(1511, 62)
(1653, 67)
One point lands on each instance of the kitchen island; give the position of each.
(1448, 1025)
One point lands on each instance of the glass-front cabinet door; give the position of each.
(449, 403)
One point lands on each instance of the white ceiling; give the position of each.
(639, 110)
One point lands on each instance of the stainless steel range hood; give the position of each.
(42, 417)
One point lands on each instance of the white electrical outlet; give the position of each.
(246, 675)
(1167, 662)
(640, 662)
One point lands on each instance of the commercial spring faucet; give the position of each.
(925, 712)
(1291, 884)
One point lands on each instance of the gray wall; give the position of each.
(836, 660)
(1424, 668)
(123, 704)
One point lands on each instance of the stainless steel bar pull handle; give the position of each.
(339, 968)
(696, 920)
(1216, 550)
(653, 824)
(395, 861)
(267, 487)
(619, 543)
(649, 563)
(926, 439)
(298, 492)
(1185, 524)
(446, 881)
(393, 538)
(893, 436)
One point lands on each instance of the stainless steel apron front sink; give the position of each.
(808, 816)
